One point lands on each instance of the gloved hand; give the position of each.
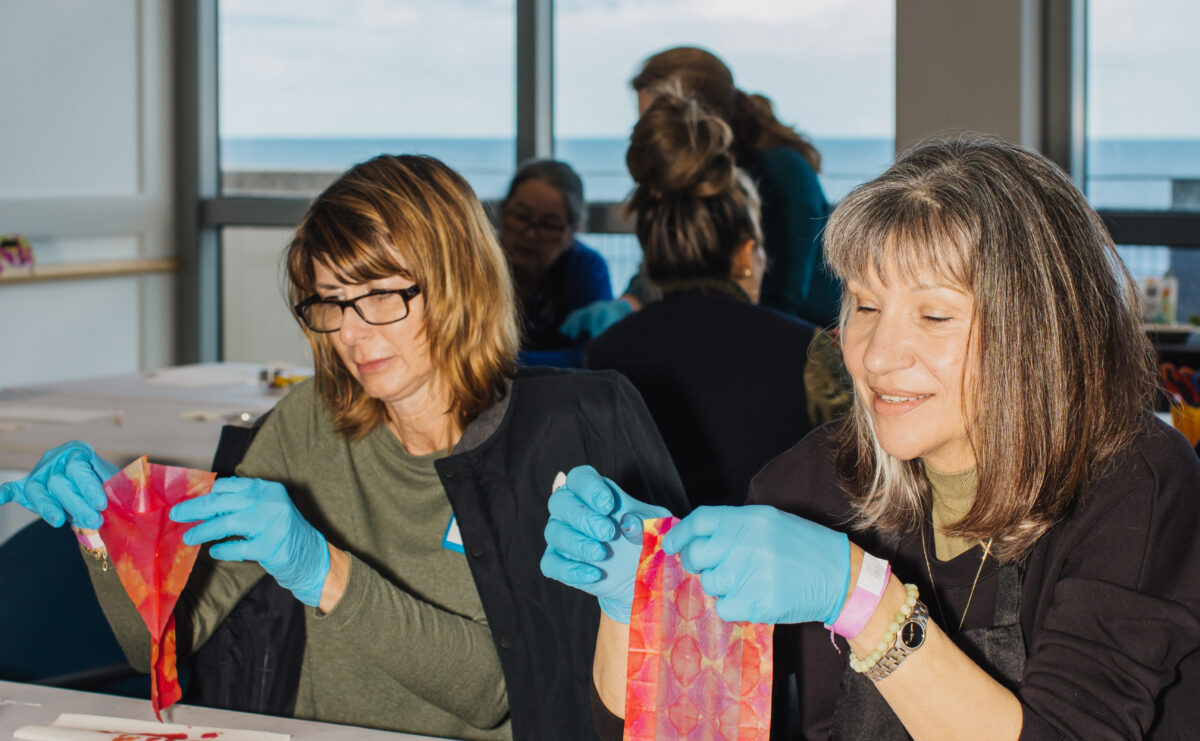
(591, 320)
(764, 565)
(594, 539)
(66, 485)
(275, 534)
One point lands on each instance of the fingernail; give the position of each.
(631, 528)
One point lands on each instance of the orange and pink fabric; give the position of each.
(691, 675)
(148, 552)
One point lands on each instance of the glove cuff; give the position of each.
(616, 609)
(310, 591)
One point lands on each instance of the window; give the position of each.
(829, 68)
(308, 88)
(1143, 128)
(1143, 113)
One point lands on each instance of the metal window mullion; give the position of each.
(197, 179)
(1064, 85)
(535, 79)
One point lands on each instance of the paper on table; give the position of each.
(691, 674)
(147, 550)
(205, 375)
(76, 727)
(61, 415)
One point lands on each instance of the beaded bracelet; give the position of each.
(889, 636)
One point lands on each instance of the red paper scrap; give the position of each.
(148, 552)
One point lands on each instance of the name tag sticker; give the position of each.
(453, 538)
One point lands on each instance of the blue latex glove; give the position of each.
(591, 320)
(594, 539)
(764, 565)
(273, 533)
(66, 485)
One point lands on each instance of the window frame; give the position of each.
(202, 211)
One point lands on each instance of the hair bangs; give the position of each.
(898, 235)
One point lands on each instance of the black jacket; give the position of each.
(724, 380)
(498, 480)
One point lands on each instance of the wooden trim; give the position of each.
(86, 270)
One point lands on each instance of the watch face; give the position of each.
(912, 634)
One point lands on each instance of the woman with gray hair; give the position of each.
(1001, 535)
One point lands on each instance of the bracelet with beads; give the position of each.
(889, 636)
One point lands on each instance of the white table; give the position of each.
(174, 416)
(28, 704)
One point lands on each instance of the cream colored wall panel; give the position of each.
(158, 321)
(966, 65)
(72, 98)
(256, 323)
(70, 329)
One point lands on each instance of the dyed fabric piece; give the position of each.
(691, 675)
(148, 552)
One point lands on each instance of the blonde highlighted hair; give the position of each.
(412, 215)
(1065, 373)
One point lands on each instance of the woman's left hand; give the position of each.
(764, 565)
(270, 529)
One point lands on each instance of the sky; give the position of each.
(444, 68)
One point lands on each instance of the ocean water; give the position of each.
(489, 163)
(1121, 174)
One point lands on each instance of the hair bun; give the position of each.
(679, 148)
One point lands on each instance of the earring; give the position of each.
(747, 272)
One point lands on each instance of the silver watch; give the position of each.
(909, 638)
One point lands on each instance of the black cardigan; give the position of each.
(723, 379)
(498, 480)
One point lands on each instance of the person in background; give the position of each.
(784, 166)
(398, 494)
(554, 272)
(1001, 459)
(730, 384)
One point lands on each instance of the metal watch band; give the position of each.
(909, 638)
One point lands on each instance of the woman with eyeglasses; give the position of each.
(399, 494)
(554, 272)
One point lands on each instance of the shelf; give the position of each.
(91, 270)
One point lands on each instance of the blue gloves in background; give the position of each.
(66, 485)
(585, 545)
(591, 320)
(764, 565)
(274, 533)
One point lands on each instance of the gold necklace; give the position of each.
(929, 569)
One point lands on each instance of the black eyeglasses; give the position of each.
(377, 307)
(544, 229)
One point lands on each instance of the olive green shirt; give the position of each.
(407, 647)
(952, 497)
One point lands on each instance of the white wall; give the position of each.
(968, 64)
(85, 175)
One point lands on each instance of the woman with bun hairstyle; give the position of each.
(783, 165)
(730, 384)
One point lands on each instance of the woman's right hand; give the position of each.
(593, 539)
(66, 485)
